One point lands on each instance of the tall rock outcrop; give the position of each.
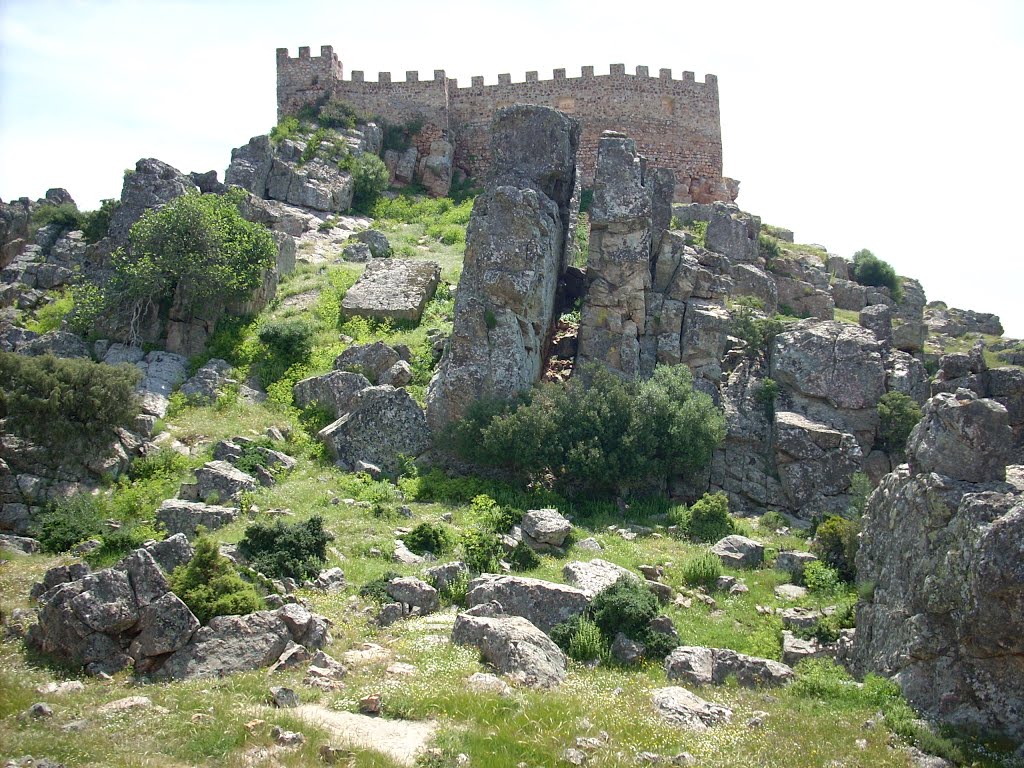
(516, 251)
(943, 546)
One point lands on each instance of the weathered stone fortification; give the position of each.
(675, 123)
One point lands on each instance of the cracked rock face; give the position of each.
(943, 545)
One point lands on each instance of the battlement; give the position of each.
(675, 121)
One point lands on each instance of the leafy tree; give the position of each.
(95, 224)
(369, 179)
(210, 586)
(868, 269)
(294, 550)
(707, 519)
(198, 244)
(898, 414)
(835, 542)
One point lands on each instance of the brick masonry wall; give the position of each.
(676, 123)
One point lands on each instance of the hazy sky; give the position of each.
(894, 126)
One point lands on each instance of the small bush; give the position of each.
(279, 549)
(67, 405)
(66, 216)
(706, 520)
(768, 246)
(288, 128)
(898, 414)
(658, 645)
(455, 591)
(429, 537)
(766, 396)
(868, 269)
(580, 639)
(522, 558)
(836, 542)
(626, 606)
(758, 332)
(210, 586)
(377, 589)
(51, 316)
(821, 579)
(481, 550)
(290, 339)
(96, 224)
(772, 521)
(699, 230)
(70, 521)
(369, 180)
(118, 543)
(702, 570)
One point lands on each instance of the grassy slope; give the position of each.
(819, 720)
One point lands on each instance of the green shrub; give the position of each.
(860, 489)
(702, 570)
(398, 136)
(50, 316)
(699, 230)
(836, 542)
(335, 113)
(288, 128)
(199, 243)
(66, 216)
(772, 521)
(69, 405)
(626, 606)
(758, 332)
(115, 544)
(377, 589)
(868, 269)
(821, 579)
(369, 180)
(600, 437)
(522, 558)
(455, 590)
(481, 550)
(96, 224)
(766, 395)
(580, 639)
(658, 645)
(68, 522)
(898, 414)
(707, 519)
(429, 537)
(768, 246)
(210, 586)
(279, 549)
(290, 339)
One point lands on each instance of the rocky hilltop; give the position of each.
(352, 358)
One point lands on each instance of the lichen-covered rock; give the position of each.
(516, 249)
(592, 576)
(737, 551)
(393, 289)
(184, 517)
(711, 666)
(542, 603)
(962, 437)
(680, 707)
(946, 619)
(813, 460)
(381, 425)
(514, 646)
(332, 391)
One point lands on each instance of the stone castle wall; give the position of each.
(676, 123)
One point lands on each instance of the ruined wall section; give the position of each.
(675, 123)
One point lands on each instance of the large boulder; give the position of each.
(517, 246)
(179, 516)
(592, 576)
(945, 557)
(542, 603)
(393, 289)
(545, 528)
(332, 391)
(382, 425)
(962, 437)
(513, 646)
(711, 666)
(149, 186)
(733, 233)
(682, 708)
(813, 460)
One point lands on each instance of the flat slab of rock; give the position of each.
(221, 480)
(679, 706)
(513, 646)
(180, 516)
(543, 603)
(394, 289)
(739, 552)
(401, 740)
(711, 666)
(594, 575)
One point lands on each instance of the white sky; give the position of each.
(894, 126)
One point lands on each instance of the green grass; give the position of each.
(847, 316)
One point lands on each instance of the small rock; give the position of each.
(485, 682)
(285, 738)
(370, 705)
(59, 689)
(574, 756)
(283, 698)
(39, 710)
(401, 669)
(790, 592)
(590, 544)
(335, 755)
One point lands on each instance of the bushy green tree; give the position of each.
(210, 586)
(369, 179)
(197, 243)
(835, 542)
(627, 606)
(435, 538)
(598, 437)
(294, 550)
(67, 522)
(868, 269)
(898, 414)
(69, 405)
(707, 519)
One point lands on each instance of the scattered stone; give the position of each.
(285, 738)
(679, 706)
(61, 688)
(404, 555)
(790, 592)
(800, 618)
(706, 666)
(334, 755)
(283, 698)
(401, 669)
(377, 242)
(448, 573)
(485, 682)
(574, 756)
(128, 703)
(545, 529)
(414, 592)
(357, 252)
(793, 562)
(184, 517)
(370, 705)
(626, 650)
(39, 710)
(329, 580)
(737, 551)
(590, 544)
(22, 545)
(592, 576)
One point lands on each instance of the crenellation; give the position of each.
(304, 52)
(676, 123)
(412, 76)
